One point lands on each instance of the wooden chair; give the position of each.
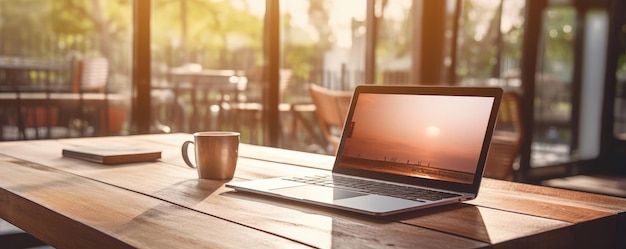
(331, 110)
(507, 139)
(90, 75)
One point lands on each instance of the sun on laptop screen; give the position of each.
(429, 136)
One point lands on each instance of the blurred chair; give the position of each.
(507, 139)
(331, 110)
(247, 103)
(90, 75)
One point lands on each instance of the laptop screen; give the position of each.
(425, 136)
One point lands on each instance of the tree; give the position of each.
(194, 30)
(107, 21)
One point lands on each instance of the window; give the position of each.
(552, 121)
(619, 129)
(210, 68)
(569, 86)
(207, 66)
(394, 44)
(45, 49)
(323, 43)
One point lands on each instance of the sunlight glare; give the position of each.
(432, 131)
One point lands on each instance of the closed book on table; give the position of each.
(112, 154)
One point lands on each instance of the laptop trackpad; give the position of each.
(317, 193)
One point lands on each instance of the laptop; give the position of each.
(402, 148)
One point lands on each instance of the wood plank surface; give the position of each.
(494, 226)
(504, 215)
(596, 216)
(81, 213)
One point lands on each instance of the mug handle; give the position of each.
(186, 155)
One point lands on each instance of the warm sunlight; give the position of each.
(432, 131)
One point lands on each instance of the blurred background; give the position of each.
(72, 68)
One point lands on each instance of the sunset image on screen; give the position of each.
(430, 136)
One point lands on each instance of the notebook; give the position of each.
(113, 153)
(402, 148)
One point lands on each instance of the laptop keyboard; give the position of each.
(374, 187)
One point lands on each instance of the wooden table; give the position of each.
(74, 204)
(27, 76)
(49, 103)
(203, 88)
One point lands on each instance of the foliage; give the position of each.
(205, 32)
(20, 23)
(394, 36)
(477, 48)
(298, 57)
(319, 17)
(69, 18)
(558, 51)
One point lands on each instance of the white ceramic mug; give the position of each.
(216, 154)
